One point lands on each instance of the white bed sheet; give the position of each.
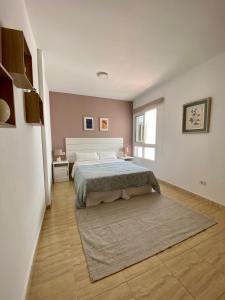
(92, 162)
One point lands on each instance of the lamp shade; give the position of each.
(4, 111)
(58, 152)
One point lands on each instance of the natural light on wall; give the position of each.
(145, 135)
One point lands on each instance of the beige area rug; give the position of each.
(119, 234)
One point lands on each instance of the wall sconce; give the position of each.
(4, 111)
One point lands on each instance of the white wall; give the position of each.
(22, 192)
(185, 159)
(46, 130)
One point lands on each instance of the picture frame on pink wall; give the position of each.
(88, 123)
(104, 124)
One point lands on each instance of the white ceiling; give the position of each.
(140, 43)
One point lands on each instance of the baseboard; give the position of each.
(27, 288)
(213, 203)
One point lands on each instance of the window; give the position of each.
(149, 153)
(139, 129)
(145, 135)
(138, 151)
(150, 127)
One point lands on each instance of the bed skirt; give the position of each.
(95, 198)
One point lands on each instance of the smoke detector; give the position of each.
(102, 75)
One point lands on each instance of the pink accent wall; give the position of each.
(67, 112)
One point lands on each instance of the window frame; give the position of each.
(143, 144)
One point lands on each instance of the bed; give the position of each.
(104, 178)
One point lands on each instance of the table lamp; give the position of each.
(58, 153)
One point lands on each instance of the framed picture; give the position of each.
(196, 116)
(104, 124)
(88, 123)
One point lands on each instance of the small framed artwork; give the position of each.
(196, 116)
(104, 124)
(88, 123)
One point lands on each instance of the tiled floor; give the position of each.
(193, 269)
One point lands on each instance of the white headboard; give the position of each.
(91, 145)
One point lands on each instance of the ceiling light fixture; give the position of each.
(102, 75)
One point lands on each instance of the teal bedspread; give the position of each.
(110, 176)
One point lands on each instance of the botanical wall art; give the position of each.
(196, 116)
(104, 124)
(88, 123)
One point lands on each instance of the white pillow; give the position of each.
(107, 155)
(80, 156)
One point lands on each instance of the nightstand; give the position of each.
(60, 170)
(127, 158)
